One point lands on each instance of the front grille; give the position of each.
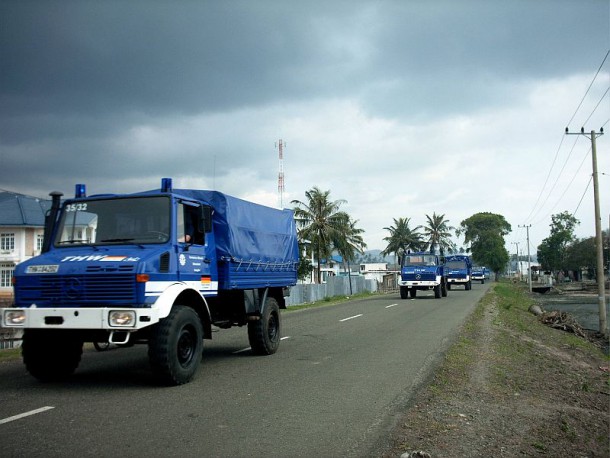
(83, 290)
(420, 276)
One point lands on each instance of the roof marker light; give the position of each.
(80, 191)
(166, 185)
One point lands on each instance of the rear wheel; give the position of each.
(51, 355)
(264, 334)
(176, 346)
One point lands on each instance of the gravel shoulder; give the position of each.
(510, 386)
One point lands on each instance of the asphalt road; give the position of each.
(334, 388)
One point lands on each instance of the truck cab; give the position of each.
(478, 274)
(458, 271)
(422, 271)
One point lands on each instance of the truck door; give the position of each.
(194, 263)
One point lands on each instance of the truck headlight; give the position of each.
(14, 317)
(122, 318)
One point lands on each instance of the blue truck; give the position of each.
(478, 274)
(458, 269)
(422, 271)
(158, 267)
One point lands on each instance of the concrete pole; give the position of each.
(529, 258)
(601, 290)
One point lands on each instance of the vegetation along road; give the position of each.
(335, 388)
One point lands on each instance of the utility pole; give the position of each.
(601, 290)
(529, 259)
(518, 264)
(280, 175)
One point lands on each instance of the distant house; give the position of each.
(374, 271)
(21, 235)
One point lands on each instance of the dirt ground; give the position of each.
(511, 386)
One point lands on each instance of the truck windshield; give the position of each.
(456, 265)
(419, 260)
(134, 220)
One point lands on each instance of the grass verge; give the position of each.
(511, 386)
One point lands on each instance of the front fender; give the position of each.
(163, 305)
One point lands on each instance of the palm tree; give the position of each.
(402, 238)
(437, 234)
(320, 221)
(348, 243)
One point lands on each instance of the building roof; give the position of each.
(21, 210)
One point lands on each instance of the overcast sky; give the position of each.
(401, 108)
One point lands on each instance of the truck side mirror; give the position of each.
(205, 221)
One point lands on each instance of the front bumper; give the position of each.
(104, 318)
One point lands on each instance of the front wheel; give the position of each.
(404, 292)
(413, 293)
(437, 291)
(51, 355)
(175, 347)
(264, 334)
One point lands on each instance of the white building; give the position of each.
(21, 235)
(374, 271)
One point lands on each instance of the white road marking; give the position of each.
(351, 317)
(250, 348)
(25, 414)
(391, 305)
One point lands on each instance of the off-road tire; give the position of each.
(175, 348)
(468, 286)
(444, 288)
(264, 334)
(437, 291)
(404, 292)
(51, 355)
(412, 293)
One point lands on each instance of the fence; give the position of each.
(334, 286)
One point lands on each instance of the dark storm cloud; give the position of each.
(119, 93)
(190, 57)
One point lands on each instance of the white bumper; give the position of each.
(420, 283)
(76, 318)
(458, 280)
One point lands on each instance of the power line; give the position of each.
(600, 101)
(567, 187)
(556, 181)
(535, 209)
(589, 88)
(583, 196)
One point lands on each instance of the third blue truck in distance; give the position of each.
(157, 267)
(458, 269)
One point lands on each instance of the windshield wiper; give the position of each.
(62, 242)
(117, 240)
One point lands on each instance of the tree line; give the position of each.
(325, 228)
(562, 251)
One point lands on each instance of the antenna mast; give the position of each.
(280, 175)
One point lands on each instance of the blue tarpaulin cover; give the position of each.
(249, 232)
